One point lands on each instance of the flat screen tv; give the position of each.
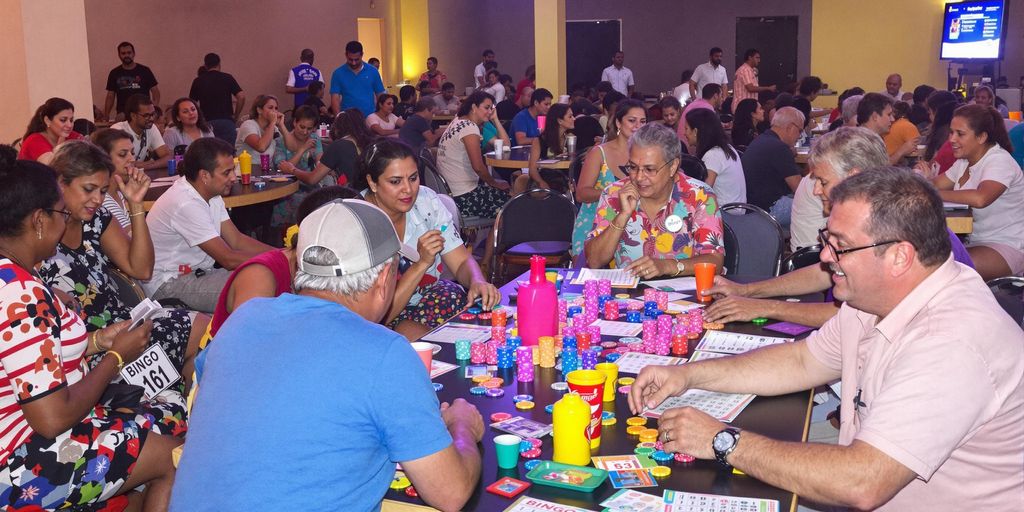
(973, 30)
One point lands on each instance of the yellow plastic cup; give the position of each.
(590, 386)
(611, 374)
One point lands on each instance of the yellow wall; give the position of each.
(45, 54)
(415, 25)
(549, 47)
(859, 43)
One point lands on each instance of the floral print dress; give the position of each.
(688, 225)
(82, 273)
(585, 217)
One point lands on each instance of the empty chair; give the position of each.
(538, 221)
(1009, 292)
(753, 242)
(803, 257)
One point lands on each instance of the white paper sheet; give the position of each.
(451, 333)
(676, 283)
(619, 277)
(678, 501)
(620, 329)
(722, 406)
(736, 343)
(633, 362)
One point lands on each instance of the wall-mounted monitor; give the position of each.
(973, 30)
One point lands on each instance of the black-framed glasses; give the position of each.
(631, 168)
(65, 213)
(824, 236)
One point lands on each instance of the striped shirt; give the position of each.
(32, 365)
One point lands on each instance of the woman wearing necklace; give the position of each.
(62, 443)
(188, 124)
(657, 222)
(422, 299)
(88, 247)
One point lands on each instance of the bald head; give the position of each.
(893, 84)
(788, 124)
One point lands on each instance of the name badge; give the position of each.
(674, 223)
(153, 370)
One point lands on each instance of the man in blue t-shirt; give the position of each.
(301, 76)
(524, 124)
(355, 84)
(312, 409)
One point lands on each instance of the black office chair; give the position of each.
(538, 221)
(754, 241)
(803, 257)
(693, 167)
(1009, 293)
(432, 178)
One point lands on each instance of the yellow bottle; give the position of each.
(570, 418)
(245, 162)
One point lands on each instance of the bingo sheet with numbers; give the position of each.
(736, 343)
(676, 501)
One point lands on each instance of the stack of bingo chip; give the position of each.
(650, 333)
(570, 359)
(562, 311)
(662, 299)
(513, 342)
(499, 317)
(583, 340)
(696, 324)
(462, 351)
(478, 353)
(651, 309)
(665, 326)
(492, 352)
(569, 331)
(524, 364)
(611, 310)
(591, 302)
(634, 313)
(506, 357)
(546, 351)
(602, 300)
(650, 294)
(595, 334)
(498, 333)
(604, 286)
(588, 359)
(680, 345)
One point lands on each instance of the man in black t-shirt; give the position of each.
(770, 168)
(127, 79)
(213, 90)
(417, 131)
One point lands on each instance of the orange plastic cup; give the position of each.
(426, 352)
(705, 274)
(1016, 116)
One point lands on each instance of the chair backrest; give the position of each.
(803, 257)
(431, 177)
(127, 290)
(536, 215)
(453, 208)
(1009, 293)
(693, 167)
(753, 242)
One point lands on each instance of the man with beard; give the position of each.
(710, 72)
(147, 143)
(127, 79)
(354, 84)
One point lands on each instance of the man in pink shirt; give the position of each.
(711, 98)
(932, 371)
(745, 82)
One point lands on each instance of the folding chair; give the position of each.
(753, 242)
(803, 257)
(538, 221)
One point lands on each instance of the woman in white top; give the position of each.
(188, 124)
(494, 87)
(117, 144)
(988, 179)
(725, 171)
(265, 123)
(384, 122)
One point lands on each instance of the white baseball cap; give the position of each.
(359, 234)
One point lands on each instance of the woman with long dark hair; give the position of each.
(50, 126)
(938, 153)
(725, 170)
(349, 137)
(551, 142)
(748, 115)
(188, 124)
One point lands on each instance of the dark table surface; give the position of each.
(784, 417)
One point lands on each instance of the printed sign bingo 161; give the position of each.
(153, 370)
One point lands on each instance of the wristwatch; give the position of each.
(680, 267)
(724, 443)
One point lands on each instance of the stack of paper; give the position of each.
(619, 277)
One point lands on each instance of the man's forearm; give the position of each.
(809, 279)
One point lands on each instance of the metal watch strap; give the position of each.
(721, 456)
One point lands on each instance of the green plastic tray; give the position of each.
(537, 476)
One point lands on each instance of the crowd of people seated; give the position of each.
(375, 257)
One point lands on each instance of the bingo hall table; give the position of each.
(784, 418)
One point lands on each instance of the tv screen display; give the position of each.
(973, 30)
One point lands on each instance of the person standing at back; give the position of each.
(619, 76)
(301, 76)
(745, 83)
(710, 72)
(354, 84)
(213, 90)
(480, 71)
(127, 79)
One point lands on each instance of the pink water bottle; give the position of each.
(537, 305)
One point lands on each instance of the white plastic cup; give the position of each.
(564, 99)
(499, 148)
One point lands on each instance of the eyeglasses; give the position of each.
(148, 115)
(824, 236)
(65, 213)
(631, 168)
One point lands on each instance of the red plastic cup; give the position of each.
(590, 386)
(705, 274)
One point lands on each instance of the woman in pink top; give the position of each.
(49, 127)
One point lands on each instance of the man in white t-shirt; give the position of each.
(710, 72)
(191, 230)
(147, 143)
(618, 75)
(480, 72)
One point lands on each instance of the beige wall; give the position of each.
(258, 41)
(45, 54)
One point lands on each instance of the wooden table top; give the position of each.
(241, 195)
(519, 158)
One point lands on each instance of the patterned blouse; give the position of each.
(692, 210)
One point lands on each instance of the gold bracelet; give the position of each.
(612, 224)
(95, 336)
(136, 214)
(120, 360)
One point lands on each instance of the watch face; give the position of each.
(722, 442)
